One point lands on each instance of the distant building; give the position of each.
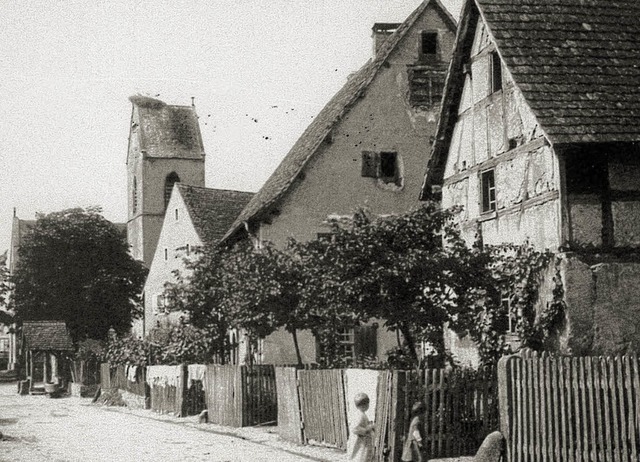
(366, 148)
(538, 140)
(195, 217)
(165, 147)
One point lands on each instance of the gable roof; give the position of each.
(212, 210)
(311, 139)
(46, 335)
(576, 62)
(167, 130)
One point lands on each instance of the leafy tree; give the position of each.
(6, 292)
(263, 288)
(198, 291)
(75, 266)
(413, 271)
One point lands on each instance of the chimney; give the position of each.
(382, 31)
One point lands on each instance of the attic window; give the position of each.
(488, 185)
(496, 72)
(382, 165)
(428, 44)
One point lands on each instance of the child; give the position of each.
(412, 450)
(360, 444)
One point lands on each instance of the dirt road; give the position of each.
(38, 428)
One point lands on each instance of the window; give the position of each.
(134, 199)
(383, 165)
(188, 249)
(172, 178)
(160, 303)
(346, 341)
(176, 214)
(488, 195)
(496, 72)
(166, 254)
(429, 44)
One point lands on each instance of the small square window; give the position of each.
(429, 43)
(496, 72)
(382, 165)
(488, 186)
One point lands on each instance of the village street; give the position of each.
(38, 428)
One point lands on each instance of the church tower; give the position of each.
(165, 147)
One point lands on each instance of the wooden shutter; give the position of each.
(370, 164)
(365, 341)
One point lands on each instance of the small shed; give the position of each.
(45, 344)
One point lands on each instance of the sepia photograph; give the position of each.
(320, 230)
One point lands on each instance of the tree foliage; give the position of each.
(75, 266)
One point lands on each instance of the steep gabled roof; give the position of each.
(212, 210)
(576, 62)
(168, 130)
(46, 335)
(307, 145)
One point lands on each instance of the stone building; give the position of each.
(538, 140)
(364, 149)
(195, 217)
(165, 147)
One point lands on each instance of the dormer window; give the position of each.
(428, 44)
(496, 72)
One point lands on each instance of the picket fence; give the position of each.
(461, 409)
(240, 396)
(311, 406)
(570, 409)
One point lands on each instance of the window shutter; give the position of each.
(365, 341)
(370, 164)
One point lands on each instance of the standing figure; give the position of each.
(360, 443)
(412, 450)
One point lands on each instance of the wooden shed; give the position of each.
(45, 346)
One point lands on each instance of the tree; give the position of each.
(198, 291)
(6, 292)
(413, 271)
(75, 266)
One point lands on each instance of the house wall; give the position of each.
(144, 224)
(616, 205)
(174, 237)
(381, 120)
(498, 131)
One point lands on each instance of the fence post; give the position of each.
(505, 398)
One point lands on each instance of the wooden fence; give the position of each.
(116, 377)
(168, 391)
(322, 405)
(570, 409)
(461, 409)
(239, 396)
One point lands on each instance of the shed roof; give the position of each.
(212, 211)
(46, 335)
(576, 62)
(311, 139)
(168, 130)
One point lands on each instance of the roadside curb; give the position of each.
(269, 439)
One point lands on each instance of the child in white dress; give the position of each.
(360, 443)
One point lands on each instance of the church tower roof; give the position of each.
(168, 131)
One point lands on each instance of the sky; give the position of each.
(259, 71)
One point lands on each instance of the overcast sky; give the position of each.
(259, 71)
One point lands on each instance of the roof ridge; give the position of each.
(184, 185)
